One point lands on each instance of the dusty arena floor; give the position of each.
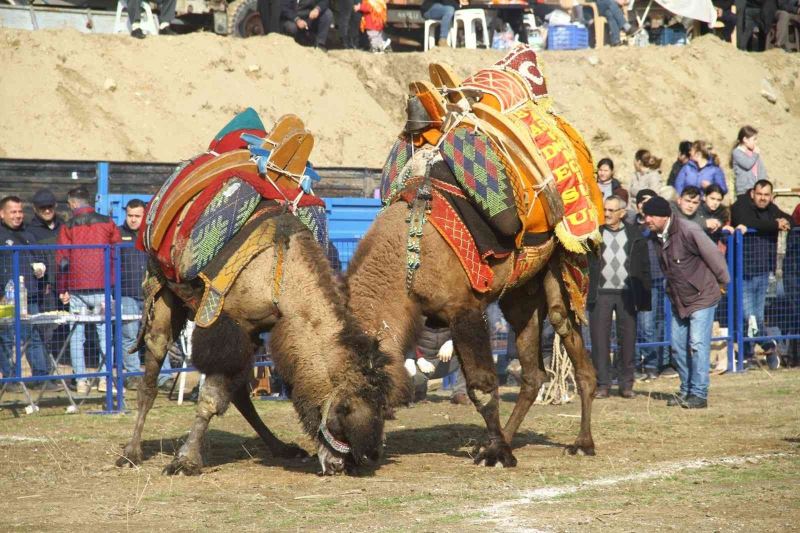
(733, 467)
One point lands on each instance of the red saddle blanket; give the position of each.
(180, 228)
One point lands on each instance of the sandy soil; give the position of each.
(67, 95)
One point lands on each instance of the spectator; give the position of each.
(443, 11)
(687, 206)
(727, 17)
(80, 278)
(647, 173)
(752, 14)
(348, 20)
(133, 265)
(612, 10)
(434, 359)
(716, 216)
(695, 272)
(788, 14)
(270, 12)
(702, 169)
(166, 15)
(609, 185)
(684, 150)
(45, 227)
(756, 210)
(372, 22)
(650, 324)
(31, 269)
(746, 162)
(619, 282)
(307, 21)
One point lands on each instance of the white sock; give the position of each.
(136, 26)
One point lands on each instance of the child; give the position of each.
(373, 22)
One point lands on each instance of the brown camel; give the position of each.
(339, 378)
(380, 300)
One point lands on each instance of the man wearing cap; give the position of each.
(696, 275)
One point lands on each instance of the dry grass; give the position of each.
(56, 470)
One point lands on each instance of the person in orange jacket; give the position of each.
(373, 21)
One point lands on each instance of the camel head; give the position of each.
(352, 417)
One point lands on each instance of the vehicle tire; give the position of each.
(244, 19)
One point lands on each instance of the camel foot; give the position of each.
(582, 448)
(290, 451)
(183, 465)
(131, 457)
(497, 450)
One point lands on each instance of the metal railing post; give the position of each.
(739, 270)
(729, 258)
(110, 356)
(118, 324)
(17, 314)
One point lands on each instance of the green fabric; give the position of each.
(246, 120)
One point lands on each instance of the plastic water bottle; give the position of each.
(23, 297)
(9, 294)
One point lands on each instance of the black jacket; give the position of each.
(294, 9)
(19, 237)
(44, 235)
(759, 249)
(637, 265)
(133, 264)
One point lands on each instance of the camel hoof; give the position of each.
(291, 451)
(578, 449)
(130, 457)
(182, 465)
(497, 451)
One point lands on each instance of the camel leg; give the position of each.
(214, 400)
(525, 313)
(471, 340)
(165, 325)
(566, 325)
(278, 448)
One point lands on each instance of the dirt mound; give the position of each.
(66, 95)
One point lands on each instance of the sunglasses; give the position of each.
(46, 208)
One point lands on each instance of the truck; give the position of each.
(238, 18)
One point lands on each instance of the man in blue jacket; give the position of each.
(307, 20)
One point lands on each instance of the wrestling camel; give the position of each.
(421, 255)
(271, 274)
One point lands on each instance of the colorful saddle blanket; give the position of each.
(207, 200)
(497, 124)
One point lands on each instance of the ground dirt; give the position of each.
(732, 467)
(66, 95)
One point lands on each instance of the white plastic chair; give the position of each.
(149, 21)
(429, 36)
(470, 19)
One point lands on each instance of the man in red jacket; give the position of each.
(80, 279)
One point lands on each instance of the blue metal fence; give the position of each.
(54, 326)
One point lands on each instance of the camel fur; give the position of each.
(329, 365)
(380, 300)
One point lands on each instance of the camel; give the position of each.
(276, 278)
(390, 287)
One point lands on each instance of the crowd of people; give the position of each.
(70, 279)
(362, 24)
(667, 235)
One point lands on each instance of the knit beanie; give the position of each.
(657, 207)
